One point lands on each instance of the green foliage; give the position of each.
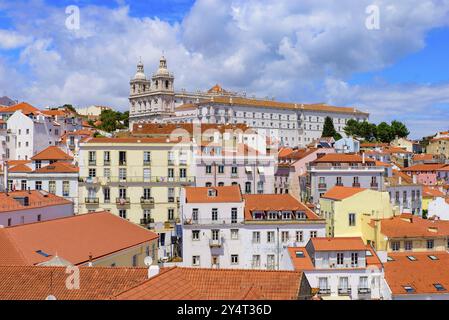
(328, 128)
(371, 132)
(112, 120)
(424, 214)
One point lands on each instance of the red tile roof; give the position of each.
(275, 202)
(20, 168)
(74, 239)
(430, 192)
(223, 194)
(23, 106)
(181, 129)
(420, 274)
(422, 157)
(409, 226)
(36, 199)
(133, 140)
(96, 283)
(52, 153)
(58, 167)
(341, 157)
(338, 244)
(425, 167)
(218, 284)
(340, 193)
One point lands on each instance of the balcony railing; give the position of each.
(364, 290)
(344, 291)
(107, 163)
(339, 184)
(122, 201)
(92, 162)
(344, 168)
(374, 185)
(356, 184)
(211, 222)
(146, 162)
(171, 162)
(146, 221)
(146, 200)
(322, 186)
(122, 163)
(91, 200)
(213, 243)
(138, 179)
(324, 291)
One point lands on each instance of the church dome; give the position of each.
(163, 66)
(140, 74)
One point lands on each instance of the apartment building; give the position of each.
(439, 146)
(97, 239)
(409, 233)
(224, 229)
(138, 179)
(346, 170)
(405, 193)
(348, 211)
(50, 170)
(340, 268)
(23, 207)
(426, 174)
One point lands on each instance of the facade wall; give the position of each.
(412, 200)
(31, 215)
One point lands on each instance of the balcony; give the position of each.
(356, 184)
(146, 162)
(92, 162)
(91, 200)
(146, 221)
(322, 186)
(122, 201)
(171, 199)
(211, 222)
(122, 163)
(171, 162)
(89, 180)
(234, 175)
(147, 200)
(363, 290)
(339, 184)
(374, 185)
(215, 243)
(106, 163)
(344, 291)
(324, 291)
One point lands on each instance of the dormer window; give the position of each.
(212, 193)
(272, 215)
(286, 215)
(300, 215)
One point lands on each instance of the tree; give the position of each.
(329, 129)
(367, 131)
(112, 120)
(352, 128)
(384, 132)
(399, 129)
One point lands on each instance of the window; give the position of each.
(195, 214)
(256, 261)
(284, 236)
(363, 282)
(146, 174)
(208, 169)
(409, 289)
(234, 215)
(214, 214)
(38, 164)
(146, 193)
(313, 234)
(322, 284)
(107, 194)
(195, 260)
(92, 173)
(247, 187)
(234, 170)
(432, 257)
(256, 237)
(339, 182)
(340, 258)
(234, 259)
(122, 213)
(23, 184)
(122, 174)
(430, 244)
(215, 234)
(135, 260)
(354, 259)
(234, 234)
(107, 173)
(271, 264)
(260, 187)
(146, 157)
(195, 235)
(122, 193)
(270, 237)
(182, 173)
(439, 287)
(52, 187)
(39, 217)
(351, 219)
(9, 222)
(65, 188)
(92, 157)
(220, 169)
(411, 258)
(122, 158)
(106, 158)
(299, 236)
(395, 245)
(408, 245)
(343, 283)
(171, 214)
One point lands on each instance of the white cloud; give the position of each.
(285, 49)
(12, 40)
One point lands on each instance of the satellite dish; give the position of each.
(148, 261)
(50, 297)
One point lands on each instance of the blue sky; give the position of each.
(302, 51)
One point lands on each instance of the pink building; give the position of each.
(22, 207)
(425, 173)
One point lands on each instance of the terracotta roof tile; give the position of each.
(340, 193)
(23, 106)
(20, 168)
(424, 167)
(223, 194)
(341, 157)
(218, 284)
(338, 244)
(430, 192)
(52, 153)
(36, 199)
(413, 226)
(75, 238)
(58, 167)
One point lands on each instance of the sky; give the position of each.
(389, 58)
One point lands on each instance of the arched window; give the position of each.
(221, 184)
(208, 184)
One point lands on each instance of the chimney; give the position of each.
(90, 260)
(153, 270)
(400, 180)
(363, 158)
(414, 179)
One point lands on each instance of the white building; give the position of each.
(50, 170)
(22, 207)
(224, 229)
(92, 111)
(439, 207)
(292, 124)
(340, 268)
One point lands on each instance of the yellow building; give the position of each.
(409, 233)
(349, 211)
(439, 146)
(138, 179)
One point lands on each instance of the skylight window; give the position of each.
(409, 289)
(411, 258)
(42, 253)
(439, 287)
(390, 258)
(368, 253)
(299, 254)
(432, 257)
